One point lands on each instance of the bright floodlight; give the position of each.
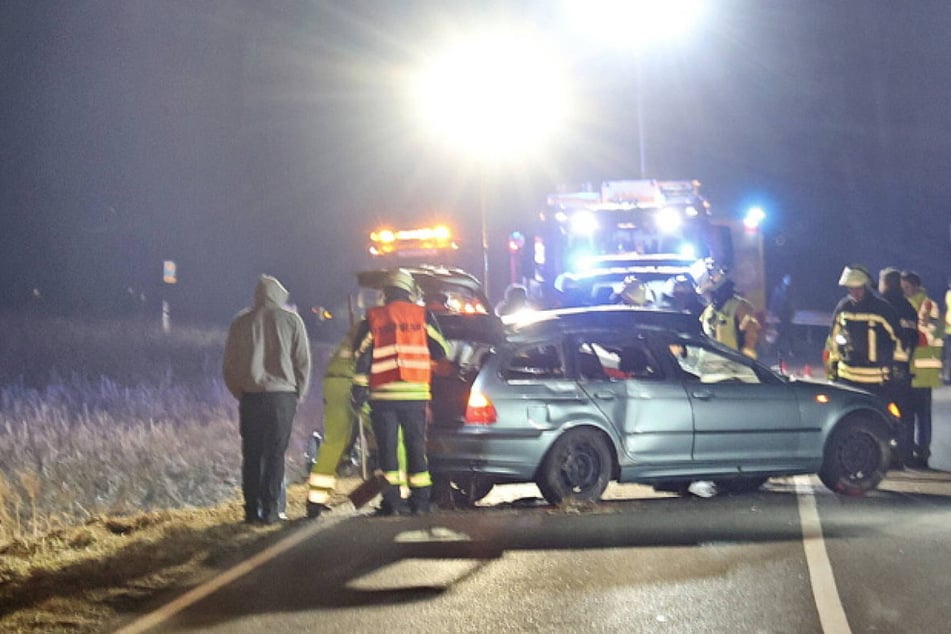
(668, 220)
(497, 95)
(638, 23)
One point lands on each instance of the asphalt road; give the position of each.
(792, 557)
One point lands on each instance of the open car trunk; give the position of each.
(471, 339)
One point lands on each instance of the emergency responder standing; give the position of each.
(395, 346)
(860, 348)
(266, 367)
(339, 422)
(898, 386)
(729, 317)
(946, 364)
(633, 292)
(925, 364)
(681, 295)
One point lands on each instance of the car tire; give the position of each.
(577, 468)
(740, 486)
(460, 491)
(856, 457)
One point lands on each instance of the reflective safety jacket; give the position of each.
(926, 360)
(861, 343)
(734, 324)
(947, 312)
(396, 346)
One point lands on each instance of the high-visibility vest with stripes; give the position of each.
(926, 362)
(400, 348)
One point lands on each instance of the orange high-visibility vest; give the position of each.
(400, 348)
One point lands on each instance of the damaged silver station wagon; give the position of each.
(573, 399)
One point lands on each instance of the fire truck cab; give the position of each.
(587, 241)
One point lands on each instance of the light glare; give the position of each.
(497, 95)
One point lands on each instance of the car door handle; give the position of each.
(703, 395)
(607, 396)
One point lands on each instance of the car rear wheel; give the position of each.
(856, 458)
(578, 467)
(460, 491)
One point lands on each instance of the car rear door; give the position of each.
(646, 404)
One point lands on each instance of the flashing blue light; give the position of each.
(688, 250)
(581, 261)
(754, 218)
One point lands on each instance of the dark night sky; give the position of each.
(239, 137)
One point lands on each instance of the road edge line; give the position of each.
(199, 592)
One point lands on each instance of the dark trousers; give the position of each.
(387, 418)
(899, 390)
(266, 420)
(921, 411)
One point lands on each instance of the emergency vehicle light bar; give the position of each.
(435, 238)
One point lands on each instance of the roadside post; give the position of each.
(169, 276)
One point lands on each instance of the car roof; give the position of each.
(615, 318)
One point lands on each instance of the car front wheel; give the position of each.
(578, 467)
(856, 457)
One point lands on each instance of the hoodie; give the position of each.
(267, 349)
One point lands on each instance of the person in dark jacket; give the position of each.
(860, 347)
(899, 387)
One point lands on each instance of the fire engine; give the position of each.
(586, 242)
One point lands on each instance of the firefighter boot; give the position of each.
(392, 503)
(419, 500)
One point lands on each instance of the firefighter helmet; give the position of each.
(855, 276)
(401, 279)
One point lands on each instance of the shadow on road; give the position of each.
(368, 561)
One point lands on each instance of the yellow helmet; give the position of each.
(855, 276)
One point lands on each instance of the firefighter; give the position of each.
(946, 365)
(898, 387)
(339, 422)
(729, 317)
(395, 346)
(633, 292)
(861, 343)
(925, 364)
(681, 295)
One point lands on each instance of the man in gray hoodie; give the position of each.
(267, 368)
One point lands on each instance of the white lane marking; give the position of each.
(824, 591)
(198, 593)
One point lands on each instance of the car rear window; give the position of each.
(537, 361)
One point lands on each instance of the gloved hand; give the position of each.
(359, 395)
(750, 352)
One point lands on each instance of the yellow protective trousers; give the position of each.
(339, 421)
(339, 425)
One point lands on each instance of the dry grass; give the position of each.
(119, 466)
(80, 578)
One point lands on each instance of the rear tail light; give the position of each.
(479, 409)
